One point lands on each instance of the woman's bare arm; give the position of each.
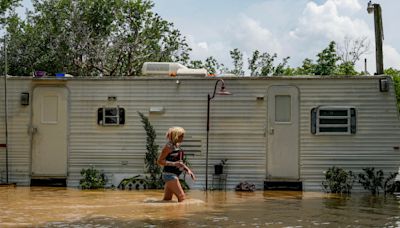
(162, 158)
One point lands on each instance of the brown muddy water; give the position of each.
(69, 207)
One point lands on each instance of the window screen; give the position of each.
(331, 120)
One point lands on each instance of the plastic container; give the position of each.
(40, 73)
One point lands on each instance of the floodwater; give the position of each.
(69, 207)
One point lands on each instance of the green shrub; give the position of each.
(396, 80)
(371, 180)
(338, 180)
(92, 179)
(150, 160)
(390, 185)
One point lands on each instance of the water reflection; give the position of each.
(67, 207)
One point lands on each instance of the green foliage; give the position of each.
(371, 180)
(263, 64)
(6, 5)
(338, 180)
(237, 58)
(307, 68)
(196, 64)
(346, 68)
(155, 181)
(326, 62)
(390, 185)
(396, 79)
(92, 37)
(92, 179)
(212, 66)
(374, 181)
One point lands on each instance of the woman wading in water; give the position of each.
(172, 159)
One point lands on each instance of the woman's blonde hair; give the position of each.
(174, 133)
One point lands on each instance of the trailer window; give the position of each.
(110, 116)
(333, 120)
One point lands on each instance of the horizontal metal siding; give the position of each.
(237, 126)
(18, 137)
(233, 135)
(378, 130)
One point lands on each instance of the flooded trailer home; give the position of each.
(271, 130)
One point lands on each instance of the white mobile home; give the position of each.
(270, 128)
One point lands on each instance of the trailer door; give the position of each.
(49, 128)
(283, 133)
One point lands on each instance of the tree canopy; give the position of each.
(92, 37)
(115, 38)
(6, 5)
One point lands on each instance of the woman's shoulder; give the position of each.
(170, 145)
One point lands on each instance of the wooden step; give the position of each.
(287, 185)
(51, 182)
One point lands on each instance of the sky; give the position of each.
(296, 28)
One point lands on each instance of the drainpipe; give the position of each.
(5, 104)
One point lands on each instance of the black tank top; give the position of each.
(175, 155)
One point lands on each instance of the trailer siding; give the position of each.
(238, 126)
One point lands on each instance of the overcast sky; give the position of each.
(296, 28)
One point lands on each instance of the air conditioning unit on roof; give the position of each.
(161, 68)
(171, 69)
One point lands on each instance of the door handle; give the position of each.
(271, 131)
(32, 130)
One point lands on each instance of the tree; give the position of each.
(280, 68)
(237, 58)
(6, 5)
(346, 68)
(212, 66)
(196, 64)
(396, 79)
(263, 64)
(351, 50)
(307, 68)
(94, 37)
(326, 62)
(253, 63)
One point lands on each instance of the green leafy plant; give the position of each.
(371, 180)
(338, 180)
(223, 162)
(92, 179)
(390, 185)
(150, 160)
